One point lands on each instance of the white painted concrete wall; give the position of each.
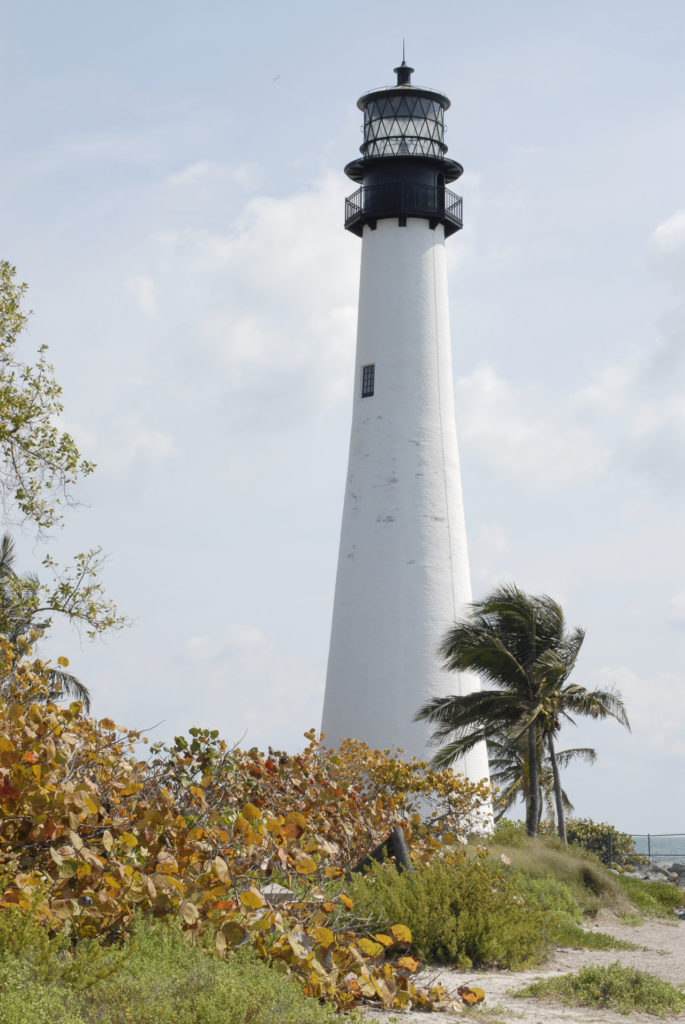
(403, 572)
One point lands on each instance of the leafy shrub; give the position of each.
(93, 836)
(624, 989)
(614, 848)
(469, 913)
(653, 899)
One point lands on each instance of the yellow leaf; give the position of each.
(90, 804)
(305, 866)
(408, 963)
(346, 901)
(242, 826)
(334, 872)
(252, 900)
(129, 839)
(251, 812)
(401, 933)
(471, 995)
(128, 791)
(169, 866)
(107, 723)
(107, 840)
(63, 662)
(295, 818)
(324, 937)
(384, 940)
(369, 948)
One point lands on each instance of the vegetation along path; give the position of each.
(661, 953)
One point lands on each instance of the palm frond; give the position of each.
(67, 683)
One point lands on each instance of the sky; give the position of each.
(172, 192)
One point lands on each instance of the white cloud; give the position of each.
(669, 237)
(525, 438)
(244, 661)
(629, 415)
(143, 290)
(489, 550)
(211, 170)
(677, 608)
(266, 309)
(667, 245)
(654, 706)
(128, 440)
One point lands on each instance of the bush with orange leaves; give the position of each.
(91, 834)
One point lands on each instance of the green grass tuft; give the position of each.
(572, 936)
(623, 989)
(592, 885)
(652, 899)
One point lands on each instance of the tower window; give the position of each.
(368, 380)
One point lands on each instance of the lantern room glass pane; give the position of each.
(401, 124)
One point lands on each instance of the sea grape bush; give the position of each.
(91, 835)
(614, 848)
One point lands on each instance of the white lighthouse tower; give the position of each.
(403, 571)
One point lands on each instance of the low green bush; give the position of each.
(565, 915)
(166, 981)
(623, 989)
(472, 913)
(653, 899)
(154, 978)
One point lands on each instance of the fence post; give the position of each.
(611, 851)
(649, 849)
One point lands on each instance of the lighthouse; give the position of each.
(403, 571)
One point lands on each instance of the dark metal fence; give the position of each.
(667, 847)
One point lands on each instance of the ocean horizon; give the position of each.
(669, 847)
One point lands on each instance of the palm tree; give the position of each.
(508, 757)
(518, 643)
(17, 617)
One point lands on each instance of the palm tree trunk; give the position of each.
(533, 781)
(558, 799)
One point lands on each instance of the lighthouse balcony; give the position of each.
(434, 203)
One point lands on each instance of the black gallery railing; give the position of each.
(404, 199)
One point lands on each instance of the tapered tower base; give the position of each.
(403, 574)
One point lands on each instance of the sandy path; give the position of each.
(663, 955)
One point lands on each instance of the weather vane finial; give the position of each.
(403, 72)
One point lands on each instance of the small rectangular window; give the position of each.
(368, 380)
